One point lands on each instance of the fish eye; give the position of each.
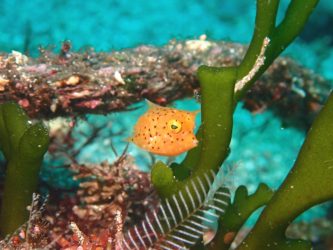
(175, 126)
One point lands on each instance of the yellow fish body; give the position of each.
(165, 131)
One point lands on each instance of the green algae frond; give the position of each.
(308, 183)
(219, 95)
(23, 145)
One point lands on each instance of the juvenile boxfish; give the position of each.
(165, 131)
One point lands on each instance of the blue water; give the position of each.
(115, 24)
(259, 152)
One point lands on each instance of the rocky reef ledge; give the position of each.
(70, 83)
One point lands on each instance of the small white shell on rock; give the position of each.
(19, 58)
(118, 77)
(197, 45)
(3, 83)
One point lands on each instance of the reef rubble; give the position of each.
(70, 83)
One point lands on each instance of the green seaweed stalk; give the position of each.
(281, 35)
(309, 183)
(217, 93)
(238, 212)
(221, 89)
(217, 127)
(23, 145)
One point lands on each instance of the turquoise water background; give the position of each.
(115, 24)
(262, 150)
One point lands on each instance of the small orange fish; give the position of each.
(165, 131)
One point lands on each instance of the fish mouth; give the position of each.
(195, 142)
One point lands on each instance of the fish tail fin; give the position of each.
(129, 139)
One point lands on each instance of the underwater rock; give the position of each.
(79, 83)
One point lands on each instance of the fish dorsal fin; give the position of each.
(195, 112)
(151, 105)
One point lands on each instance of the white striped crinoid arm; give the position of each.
(181, 221)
